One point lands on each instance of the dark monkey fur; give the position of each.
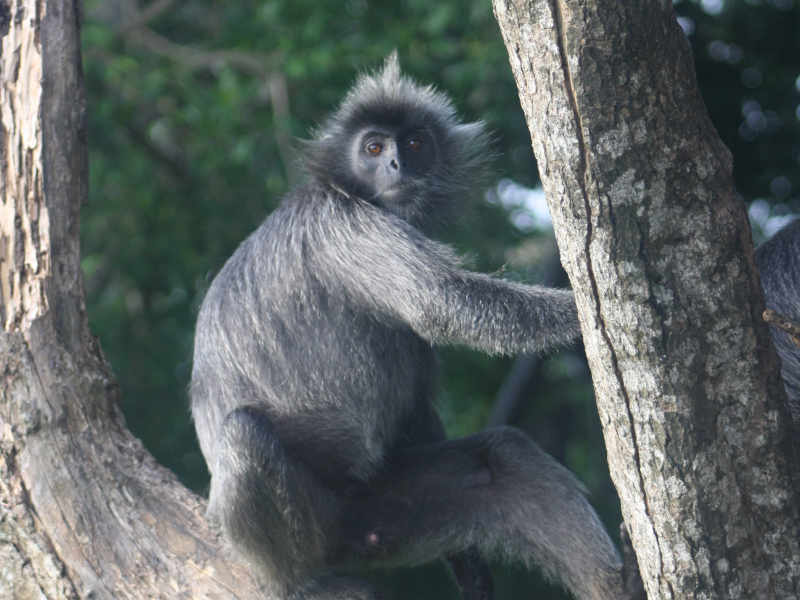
(314, 373)
(778, 262)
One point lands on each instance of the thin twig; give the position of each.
(259, 65)
(150, 12)
(281, 119)
(784, 323)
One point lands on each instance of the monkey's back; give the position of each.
(779, 265)
(278, 331)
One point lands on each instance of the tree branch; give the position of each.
(258, 65)
(84, 509)
(151, 12)
(659, 253)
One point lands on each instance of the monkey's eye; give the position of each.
(414, 144)
(374, 148)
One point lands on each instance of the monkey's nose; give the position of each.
(393, 164)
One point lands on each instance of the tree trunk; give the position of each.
(84, 510)
(658, 250)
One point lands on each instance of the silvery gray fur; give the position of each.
(778, 262)
(314, 373)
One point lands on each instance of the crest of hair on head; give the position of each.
(389, 97)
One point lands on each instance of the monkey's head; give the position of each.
(399, 145)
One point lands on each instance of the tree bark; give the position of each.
(85, 511)
(658, 249)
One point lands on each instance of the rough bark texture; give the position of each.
(658, 250)
(84, 510)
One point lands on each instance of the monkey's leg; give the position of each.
(469, 568)
(274, 510)
(473, 577)
(495, 490)
(334, 587)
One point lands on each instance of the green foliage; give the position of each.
(747, 55)
(191, 146)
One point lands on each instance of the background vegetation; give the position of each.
(193, 109)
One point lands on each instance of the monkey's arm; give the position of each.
(500, 317)
(394, 269)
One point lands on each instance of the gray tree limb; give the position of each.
(658, 250)
(85, 511)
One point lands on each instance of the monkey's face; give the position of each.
(400, 146)
(391, 164)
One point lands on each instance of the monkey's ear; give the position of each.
(471, 153)
(470, 134)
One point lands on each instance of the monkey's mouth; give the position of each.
(400, 192)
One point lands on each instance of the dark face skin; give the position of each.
(388, 160)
